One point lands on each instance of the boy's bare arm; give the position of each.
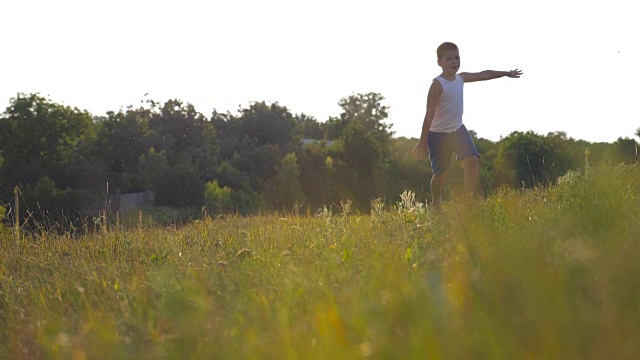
(421, 148)
(489, 74)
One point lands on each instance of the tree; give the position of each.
(405, 172)
(218, 199)
(153, 166)
(264, 124)
(172, 151)
(252, 145)
(624, 151)
(367, 111)
(52, 202)
(286, 191)
(315, 175)
(366, 159)
(524, 158)
(180, 187)
(40, 142)
(307, 127)
(488, 152)
(562, 154)
(176, 184)
(184, 133)
(122, 139)
(365, 140)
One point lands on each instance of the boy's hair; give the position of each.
(445, 46)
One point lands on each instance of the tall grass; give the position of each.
(541, 274)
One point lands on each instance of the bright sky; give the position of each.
(579, 57)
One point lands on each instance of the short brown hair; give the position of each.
(445, 46)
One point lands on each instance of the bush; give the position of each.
(45, 202)
(3, 216)
(218, 199)
(180, 189)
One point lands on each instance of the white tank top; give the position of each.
(448, 116)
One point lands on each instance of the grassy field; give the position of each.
(524, 274)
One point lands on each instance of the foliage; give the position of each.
(364, 109)
(315, 175)
(488, 153)
(184, 134)
(180, 187)
(528, 159)
(218, 199)
(406, 172)
(122, 139)
(625, 151)
(365, 140)
(308, 127)
(41, 139)
(177, 185)
(3, 216)
(153, 165)
(546, 273)
(253, 144)
(286, 192)
(44, 196)
(62, 158)
(265, 124)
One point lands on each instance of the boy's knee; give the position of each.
(440, 175)
(471, 161)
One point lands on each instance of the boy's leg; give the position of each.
(437, 185)
(471, 174)
(467, 152)
(440, 150)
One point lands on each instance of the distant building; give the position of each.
(307, 142)
(132, 202)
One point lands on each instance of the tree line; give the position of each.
(62, 159)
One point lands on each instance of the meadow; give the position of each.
(546, 273)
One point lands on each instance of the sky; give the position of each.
(578, 58)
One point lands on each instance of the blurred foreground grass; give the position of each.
(538, 274)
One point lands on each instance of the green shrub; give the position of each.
(180, 188)
(3, 217)
(218, 199)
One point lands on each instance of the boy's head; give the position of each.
(444, 47)
(448, 58)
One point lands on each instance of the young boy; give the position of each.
(442, 131)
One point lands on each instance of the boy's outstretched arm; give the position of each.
(489, 74)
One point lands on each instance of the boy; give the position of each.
(442, 130)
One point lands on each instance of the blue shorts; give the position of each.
(442, 145)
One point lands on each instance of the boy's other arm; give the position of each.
(489, 74)
(421, 148)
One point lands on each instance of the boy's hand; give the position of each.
(420, 150)
(514, 73)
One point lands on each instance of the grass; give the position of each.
(523, 274)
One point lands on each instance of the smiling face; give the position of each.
(450, 63)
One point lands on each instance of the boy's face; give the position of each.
(450, 62)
